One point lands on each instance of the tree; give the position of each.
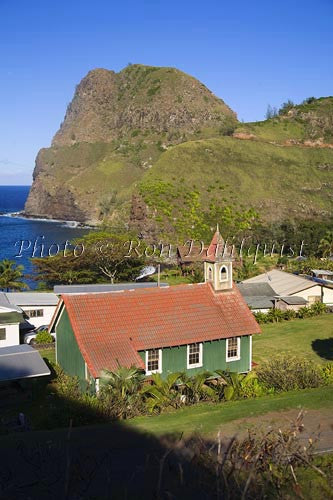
(104, 256)
(285, 107)
(271, 112)
(189, 212)
(11, 276)
(326, 244)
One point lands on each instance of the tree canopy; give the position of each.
(11, 276)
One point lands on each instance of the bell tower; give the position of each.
(217, 266)
(219, 274)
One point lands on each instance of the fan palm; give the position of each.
(122, 389)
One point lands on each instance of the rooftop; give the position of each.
(294, 300)
(32, 298)
(283, 283)
(21, 361)
(97, 288)
(111, 328)
(322, 271)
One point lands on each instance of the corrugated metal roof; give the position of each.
(322, 271)
(4, 302)
(259, 302)
(256, 290)
(283, 283)
(294, 300)
(21, 361)
(97, 288)
(32, 298)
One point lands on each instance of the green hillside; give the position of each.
(311, 121)
(156, 135)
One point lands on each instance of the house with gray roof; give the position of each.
(10, 319)
(287, 285)
(292, 302)
(38, 307)
(259, 297)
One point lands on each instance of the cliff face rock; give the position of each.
(132, 137)
(115, 128)
(108, 104)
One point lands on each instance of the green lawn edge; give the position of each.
(206, 418)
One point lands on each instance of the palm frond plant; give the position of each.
(197, 388)
(163, 393)
(234, 385)
(120, 390)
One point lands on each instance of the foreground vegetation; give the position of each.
(70, 463)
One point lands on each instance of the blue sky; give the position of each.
(250, 53)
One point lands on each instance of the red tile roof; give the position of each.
(111, 327)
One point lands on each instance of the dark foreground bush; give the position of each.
(107, 461)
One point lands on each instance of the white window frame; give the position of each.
(159, 370)
(33, 313)
(234, 358)
(194, 365)
(226, 274)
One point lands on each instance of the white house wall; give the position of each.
(328, 296)
(317, 291)
(12, 335)
(48, 312)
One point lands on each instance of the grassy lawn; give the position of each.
(206, 418)
(296, 338)
(49, 354)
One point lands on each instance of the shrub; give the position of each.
(289, 314)
(44, 337)
(327, 373)
(66, 385)
(286, 373)
(276, 315)
(262, 318)
(318, 308)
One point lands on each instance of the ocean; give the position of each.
(20, 237)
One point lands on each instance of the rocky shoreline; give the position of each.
(68, 223)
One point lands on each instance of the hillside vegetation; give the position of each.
(126, 133)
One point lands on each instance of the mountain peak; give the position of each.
(107, 105)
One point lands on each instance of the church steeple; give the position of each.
(216, 246)
(218, 267)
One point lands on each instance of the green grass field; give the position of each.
(206, 418)
(299, 337)
(49, 354)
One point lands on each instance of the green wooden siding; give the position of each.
(69, 356)
(174, 359)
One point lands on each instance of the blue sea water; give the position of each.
(15, 230)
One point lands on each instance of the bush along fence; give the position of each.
(125, 393)
(276, 315)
